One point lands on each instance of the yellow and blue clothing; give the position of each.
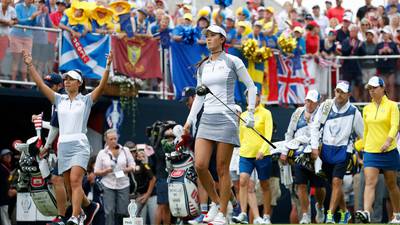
(230, 35)
(259, 38)
(24, 14)
(77, 27)
(380, 122)
(251, 144)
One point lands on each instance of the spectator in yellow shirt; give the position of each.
(381, 121)
(254, 154)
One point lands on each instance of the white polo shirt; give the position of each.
(10, 14)
(73, 116)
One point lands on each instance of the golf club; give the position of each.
(203, 90)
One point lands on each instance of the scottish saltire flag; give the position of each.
(88, 54)
(293, 83)
(184, 58)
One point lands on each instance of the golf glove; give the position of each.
(250, 119)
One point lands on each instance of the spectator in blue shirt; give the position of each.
(164, 34)
(42, 51)
(230, 30)
(257, 34)
(22, 39)
(300, 48)
(185, 31)
(202, 23)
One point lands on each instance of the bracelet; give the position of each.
(29, 65)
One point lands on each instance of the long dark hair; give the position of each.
(207, 57)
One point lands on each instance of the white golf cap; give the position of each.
(313, 96)
(343, 85)
(74, 75)
(386, 30)
(375, 82)
(215, 29)
(371, 31)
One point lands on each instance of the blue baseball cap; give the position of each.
(187, 92)
(53, 79)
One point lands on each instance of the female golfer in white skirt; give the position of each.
(218, 125)
(73, 150)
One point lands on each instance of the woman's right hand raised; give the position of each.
(27, 57)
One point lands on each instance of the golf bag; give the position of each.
(182, 178)
(34, 173)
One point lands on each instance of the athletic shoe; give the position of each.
(236, 210)
(320, 217)
(395, 220)
(212, 212)
(197, 220)
(267, 219)
(58, 220)
(219, 219)
(73, 221)
(82, 218)
(305, 219)
(90, 212)
(329, 217)
(258, 220)
(345, 217)
(363, 216)
(241, 218)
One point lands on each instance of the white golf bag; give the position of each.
(34, 173)
(182, 180)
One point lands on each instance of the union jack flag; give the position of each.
(293, 83)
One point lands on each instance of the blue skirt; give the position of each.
(384, 161)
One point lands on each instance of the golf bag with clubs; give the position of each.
(182, 177)
(34, 172)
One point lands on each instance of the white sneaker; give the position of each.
(395, 220)
(267, 219)
(219, 219)
(241, 218)
(258, 220)
(320, 217)
(305, 219)
(212, 212)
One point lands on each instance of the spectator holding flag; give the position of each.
(75, 19)
(101, 20)
(122, 17)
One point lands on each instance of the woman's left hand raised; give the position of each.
(109, 58)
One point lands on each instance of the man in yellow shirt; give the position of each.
(255, 154)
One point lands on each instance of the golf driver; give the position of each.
(203, 90)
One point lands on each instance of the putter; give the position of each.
(203, 90)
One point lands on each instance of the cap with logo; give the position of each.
(215, 29)
(74, 74)
(313, 96)
(375, 81)
(188, 92)
(52, 79)
(343, 86)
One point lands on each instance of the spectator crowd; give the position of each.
(322, 32)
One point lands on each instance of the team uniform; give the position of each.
(336, 136)
(381, 121)
(217, 122)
